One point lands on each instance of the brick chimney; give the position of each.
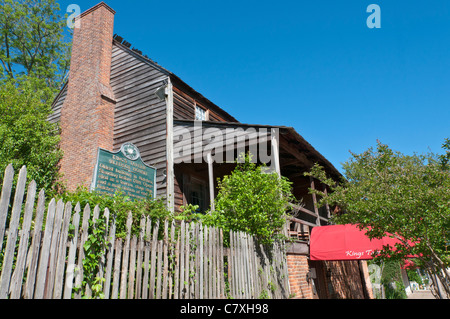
(87, 115)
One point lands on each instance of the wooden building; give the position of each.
(115, 94)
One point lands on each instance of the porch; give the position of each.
(205, 151)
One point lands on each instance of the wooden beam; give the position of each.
(170, 177)
(297, 249)
(316, 208)
(306, 211)
(326, 205)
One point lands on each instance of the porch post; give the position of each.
(316, 209)
(276, 149)
(211, 180)
(169, 148)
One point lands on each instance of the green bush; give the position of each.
(251, 200)
(119, 206)
(27, 137)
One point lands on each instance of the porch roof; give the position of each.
(295, 151)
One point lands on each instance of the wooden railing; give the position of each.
(297, 229)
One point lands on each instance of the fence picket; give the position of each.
(176, 288)
(105, 239)
(61, 256)
(17, 278)
(139, 252)
(132, 268)
(192, 261)
(125, 259)
(205, 262)
(196, 264)
(171, 253)
(110, 257)
(153, 261)
(45, 252)
(117, 269)
(165, 270)
(71, 267)
(200, 260)
(221, 265)
(83, 238)
(214, 262)
(145, 285)
(187, 255)
(182, 264)
(158, 269)
(4, 200)
(231, 265)
(12, 236)
(35, 245)
(53, 250)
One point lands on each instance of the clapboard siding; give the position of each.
(140, 117)
(184, 107)
(55, 116)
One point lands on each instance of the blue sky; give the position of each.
(312, 65)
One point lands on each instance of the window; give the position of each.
(198, 195)
(200, 113)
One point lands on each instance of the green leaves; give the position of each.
(119, 205)
(406, 195)
(251, 200)
(27, 138)
(94, 250)
(32, 41)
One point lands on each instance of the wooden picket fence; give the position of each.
(167, 261)
(257, 271)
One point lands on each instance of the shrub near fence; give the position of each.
(43, 259)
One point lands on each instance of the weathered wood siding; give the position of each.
(184, 106)
(140, 116)
(57, 105)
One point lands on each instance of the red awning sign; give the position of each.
(345, 242)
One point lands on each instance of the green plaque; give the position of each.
(124, 171)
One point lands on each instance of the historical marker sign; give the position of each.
(124, 171)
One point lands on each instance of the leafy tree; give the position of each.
(34, 57)
(32, 41)
(445, 158)
(27, 138)
(251, 200)
(406, 196)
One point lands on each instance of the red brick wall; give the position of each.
(87, 116)
(298, 269)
